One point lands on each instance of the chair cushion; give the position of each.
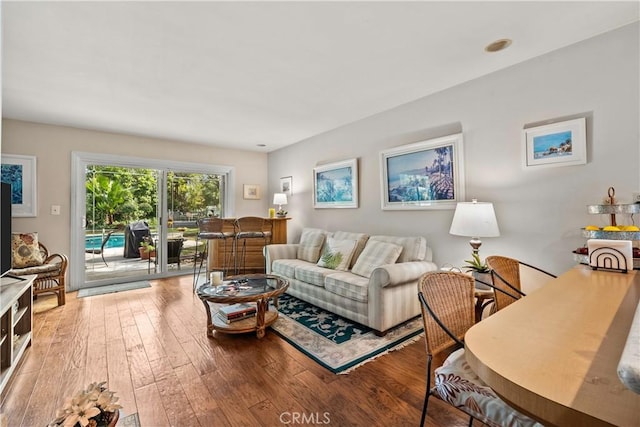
(40, 270)
(375, 254)
(25, 250)
(457, 384)
(310, 246)
(336, 254)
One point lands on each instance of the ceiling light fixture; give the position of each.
(498, 45)
(261, 145)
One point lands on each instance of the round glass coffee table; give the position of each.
(249, 288)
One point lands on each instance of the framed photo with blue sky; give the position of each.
(335, 185)
(556, 144)
(423, 175)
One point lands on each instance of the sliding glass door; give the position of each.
(135, 219)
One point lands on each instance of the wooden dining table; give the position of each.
(554, 353)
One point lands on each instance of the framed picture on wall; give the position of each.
(335, 185)
(557, 144)
(286, 185)
(423, 175)
(251, 191)
(20, 172)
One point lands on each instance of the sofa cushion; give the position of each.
(413, 248)
(310, 246)
(375, 254)
(25, 250)
(287, 267)
(312, 274)
(336, 254)
(348, 285)
(360, 238)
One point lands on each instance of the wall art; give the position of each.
(556, 144)
(335, 185)
(423, 175)
(20, 172)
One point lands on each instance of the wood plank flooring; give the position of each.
(151, 346)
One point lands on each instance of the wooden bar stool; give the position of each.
(210, 229)
(248, 227)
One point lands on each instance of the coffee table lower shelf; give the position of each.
(241, 326)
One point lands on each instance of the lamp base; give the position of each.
(475, 244)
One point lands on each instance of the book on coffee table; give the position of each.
(238, 311)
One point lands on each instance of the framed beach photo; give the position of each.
(20, 172)
(556, 144)
(335, 185)
(423, 175)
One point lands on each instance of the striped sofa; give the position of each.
(371, 280)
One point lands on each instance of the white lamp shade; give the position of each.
(474, 219)
(279, 199)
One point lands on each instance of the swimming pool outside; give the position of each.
(95, 241)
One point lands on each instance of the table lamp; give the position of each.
(280, 199)
(474, 219)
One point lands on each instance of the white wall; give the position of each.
(540, 212)
(52, 146)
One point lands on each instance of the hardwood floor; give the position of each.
(151, 346)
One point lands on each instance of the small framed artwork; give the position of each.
(20, 172)
(335, 185)
(251, 191)
(556, 144)
(286, 185)
(423, 175)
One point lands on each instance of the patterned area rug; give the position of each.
(338, 344)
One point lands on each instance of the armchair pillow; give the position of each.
(375, 254)
(25, 250)
(336, 254)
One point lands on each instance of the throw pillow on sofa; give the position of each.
(25, 250)
(375, 254)
(310, 246)
(336, 254)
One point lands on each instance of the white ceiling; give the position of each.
(239, 74)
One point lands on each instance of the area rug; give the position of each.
(334, 342)
(109, 289)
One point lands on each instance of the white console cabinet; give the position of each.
(16, 320)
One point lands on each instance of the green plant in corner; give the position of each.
(476, 264)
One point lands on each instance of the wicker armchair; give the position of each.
(505, 275)
(50, 274)
(447, 305)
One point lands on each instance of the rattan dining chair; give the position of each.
(505, 275)
(447, 306)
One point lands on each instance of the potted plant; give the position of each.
(146, 248)
(479, 269)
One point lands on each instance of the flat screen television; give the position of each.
(5, 228)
